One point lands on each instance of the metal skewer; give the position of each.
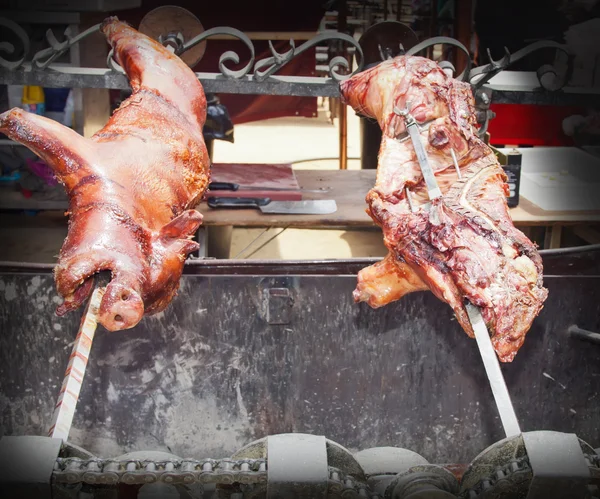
(409, 199)
(412, 128)
(482, 336)
(455, 161)
(64, 410)
(494, 374)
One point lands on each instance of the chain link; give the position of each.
(511, 471)
(514, 468)
(185, 471)
(345, 486)
(249, 472)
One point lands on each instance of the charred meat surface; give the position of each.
(131, 186)
(464, 246)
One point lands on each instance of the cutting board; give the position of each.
(560, 178)
(257, 175)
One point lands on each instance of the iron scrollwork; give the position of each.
(45, 57)
(443, 40)
(230, 55)
(272, 64)
(255, 76)
(263, 69)
(480, 75)
(277, 61)
(9, 48)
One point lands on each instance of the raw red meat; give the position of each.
(131, 186)
(465, 246)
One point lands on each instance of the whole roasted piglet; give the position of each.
(462, 245)
(131, 186)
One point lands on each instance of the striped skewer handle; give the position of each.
(64, 410)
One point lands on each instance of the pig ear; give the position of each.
(182, 226)
(184, 247)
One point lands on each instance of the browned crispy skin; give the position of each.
(386, 281)
(131, 186)
(465, 246)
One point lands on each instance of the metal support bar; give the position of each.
(584, 334)
(218, 241)
(56, 76)
(559, 467)
(31, 16)
(343, 123)
(26, 464)
(297, 466)
(69, 77)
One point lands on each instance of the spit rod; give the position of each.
(494, 374)
(64, 411)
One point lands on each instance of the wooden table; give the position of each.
(347, 187)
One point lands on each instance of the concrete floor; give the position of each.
(308, 143)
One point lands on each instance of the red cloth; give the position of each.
(246, 108)
(522, 124)
(265, 15)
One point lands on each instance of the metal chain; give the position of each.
(96, 471)
(343, 485)
(249, 472)
(513, 469)
(185, 471)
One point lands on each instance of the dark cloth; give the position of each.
(263, 15)
(515, 24)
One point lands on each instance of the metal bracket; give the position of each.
(483, 99)
(559, 467)
(26, 465)
(297, 466)
(279, 305)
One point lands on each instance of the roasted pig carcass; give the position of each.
(131, 186)
(461, 246)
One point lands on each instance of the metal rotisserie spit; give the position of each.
(273, 379)
(259, 349)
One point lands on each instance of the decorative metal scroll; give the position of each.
(45, 57)
(488, 71)
(477, 77)
(9, 47)
(443, 40)
(263, 68)
(259, 77)
(273, 64)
